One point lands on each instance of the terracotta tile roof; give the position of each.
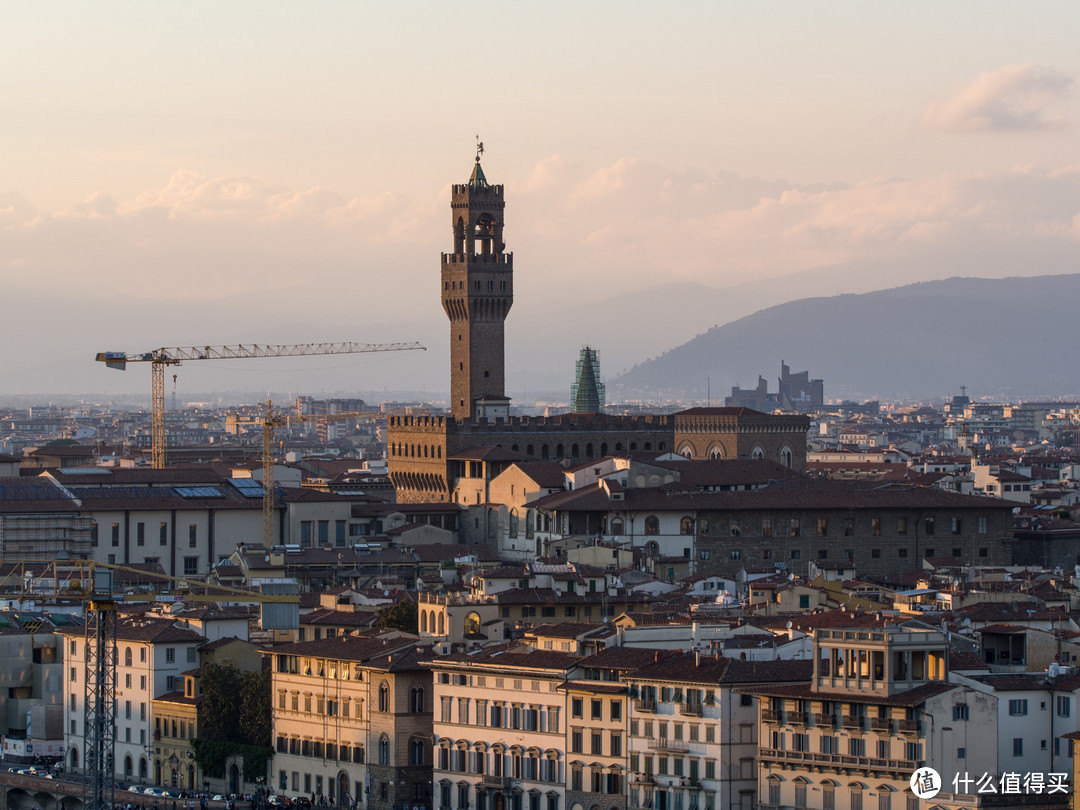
(180, 698)
(153, 631)
(912, 697)
(626, 658)
(210, 646)
(1014, 682)
(790, 494)
(564, 630)
(959, 661)
(439, 552)
(739, 671)
(701, 411)
(346, 647)
(511, 655)
(339, 618)
(546, 474)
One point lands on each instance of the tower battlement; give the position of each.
(503, 261)
(476, 190)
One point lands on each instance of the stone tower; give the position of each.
(477, 293)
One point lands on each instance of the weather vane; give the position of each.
(479, 148)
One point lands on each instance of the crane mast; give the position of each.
(174, 356)
(270, 423)
(92, 583)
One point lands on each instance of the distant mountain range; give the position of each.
(1010, 337)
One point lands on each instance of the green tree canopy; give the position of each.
(402, 616)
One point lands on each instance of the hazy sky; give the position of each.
(201, 172)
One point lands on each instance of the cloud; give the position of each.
(628, 223)
(1010, 99)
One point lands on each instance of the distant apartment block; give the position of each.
(796, 392)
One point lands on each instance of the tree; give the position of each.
(255, 708)
(401, 616)
(234, 718)
(219, 714)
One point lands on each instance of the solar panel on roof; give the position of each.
(121, 492)
(248, 487)
(199, 492)
(85, 471)
(31, 492)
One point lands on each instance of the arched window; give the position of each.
(785, 456)
(575, 451)
(513, 523)
(129, 768)
(423, 621)
(545, 451)
(616, 526)
(589, 450)
(384, 699)
(127, 657)
(652, 525)
(472, 623)
(686, 525)
(416, 702)
(687, 451)
(716, 453)
(384, 750)
(757, 453)
(559, 451)
(442, 624)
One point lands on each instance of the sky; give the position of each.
(206, 173)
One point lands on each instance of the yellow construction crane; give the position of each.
(92, 584)
(272, 421)
(160, 358)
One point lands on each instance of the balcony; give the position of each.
(494, 782)
(853, 722)
(645, 705)
(826, 720)
(773, 716)
(881, 724)
(910, 727)
(672, 746)
(691, 708)
(903, 766)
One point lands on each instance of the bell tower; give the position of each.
(477, 293)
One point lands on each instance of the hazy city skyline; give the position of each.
(200, 173)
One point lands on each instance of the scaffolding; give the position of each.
(587, 392)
